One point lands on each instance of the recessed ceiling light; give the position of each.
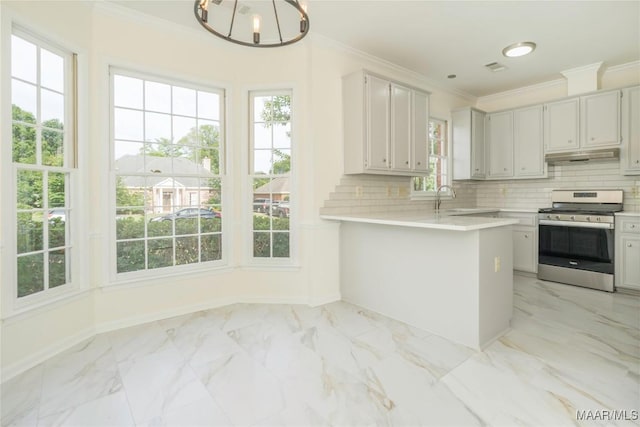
(451, 76)
(519, 49)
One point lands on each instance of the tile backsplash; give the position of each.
(362, 194)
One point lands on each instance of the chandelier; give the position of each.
(255, 23)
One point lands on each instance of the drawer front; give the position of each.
(523, 218)
(628, 225)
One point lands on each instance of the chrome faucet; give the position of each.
(453, 195)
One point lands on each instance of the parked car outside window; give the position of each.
(262, 205)
(189, 213)
(57, 214)
(281, 210)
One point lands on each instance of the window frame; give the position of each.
(74, 242)
(431, 194)
(248, 206)
(147, 275)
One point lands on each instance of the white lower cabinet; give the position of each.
(627, 273)
(525, 241)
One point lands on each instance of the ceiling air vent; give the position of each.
(495, 67)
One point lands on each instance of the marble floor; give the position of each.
(570, 349)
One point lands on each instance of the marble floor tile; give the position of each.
(568, 349)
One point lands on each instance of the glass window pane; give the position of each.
(128, 124)
(209, 161)
(260, 114)
(24, 59)
(262, 162)
(281, 218)
(57, 189)
(51, 109)
(24, 143)
(30, 274)
(281, 162)
(52, 148)
(186, 220)
(30, 235)
(160, 253)
(128, 156)
(29, 188)
(57, 227)
(24, 98)
(127, 92)
(130, 256)
(210, 247)
(57, 268)
(51, 70)
(280, 245)
(208, 133)
(262, 137)
(208, 105)
(211, 223)
(157, 97)
(184, 101)
(261, 245)
(129, 223)
(160, 225)
(129, 191)
(157, 127)
(282, 135)
(187, 250)
(184, 130)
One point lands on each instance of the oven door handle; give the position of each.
(601, 225)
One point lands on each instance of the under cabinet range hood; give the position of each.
(583, 156)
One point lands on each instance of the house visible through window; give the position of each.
(42, 156)
(438, 159)
(167, 146)
(271, 173)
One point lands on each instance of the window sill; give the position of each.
(45, 304)
(423, 195)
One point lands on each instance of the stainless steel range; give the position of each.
(575, 238)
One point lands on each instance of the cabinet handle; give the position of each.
(633, 226)
(419, 163)
(523, 168)
(384, 160)
(570, 141)
(407, 162)
(629, 245)
(526, 236)
(477, 169)
(637, 161)
(505, 169)
(593, 138)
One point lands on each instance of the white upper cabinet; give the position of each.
(630, 153)
(561, 125)
(600, 118)
(582, 123)
(499, 140)
(468, 144)
(400, 127)
(528, 142)
(385, 126)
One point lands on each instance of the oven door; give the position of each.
(576, 245)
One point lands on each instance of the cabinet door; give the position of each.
(420, 132)
(630, 158)
(628, 273)
(500, 144)
(524, 250)
(477, 145)
(600, 118)
(528, 142)
(378, 119)
(561, 125)
(400, 127)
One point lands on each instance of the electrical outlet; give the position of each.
(496, 264)
(359, 192)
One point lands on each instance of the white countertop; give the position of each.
(454, 221)
(628, 213)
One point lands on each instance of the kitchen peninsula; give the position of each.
(447, 274)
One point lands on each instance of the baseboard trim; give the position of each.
(324, 299)
(46, 353)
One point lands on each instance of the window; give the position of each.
(438, 160)
(43, 160)
(167, 173)
(270, 173)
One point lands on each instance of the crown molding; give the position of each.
(322, 40)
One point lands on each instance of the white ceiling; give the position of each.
(438, 38)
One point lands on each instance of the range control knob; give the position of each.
(548, 216)
(589, 218)
(573, 218)
(558, 217)
(598, 219)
